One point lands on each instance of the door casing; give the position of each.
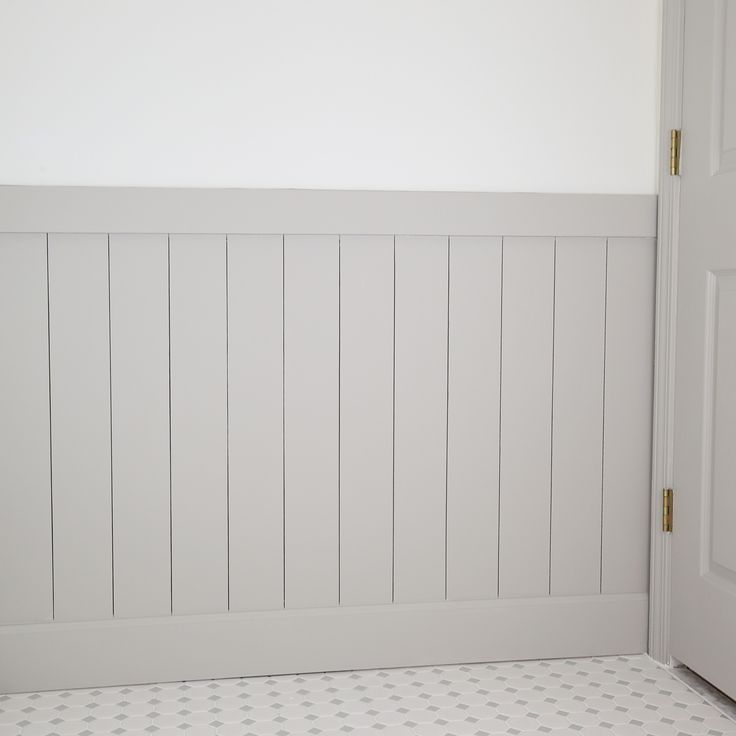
(672, 42)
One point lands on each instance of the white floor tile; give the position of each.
(606, 696)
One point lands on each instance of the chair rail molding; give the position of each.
(322, 212)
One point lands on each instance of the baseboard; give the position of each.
(126, 651)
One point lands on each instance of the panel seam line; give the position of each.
(227, 407)
(171, 495)
(51, 434)
(500, 427)
(603, 416)
(552, 414)
(447, 408)
(112, 481)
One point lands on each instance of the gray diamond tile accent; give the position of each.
(611, 694)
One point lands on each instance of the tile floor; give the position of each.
(710, 693)
(592, 697)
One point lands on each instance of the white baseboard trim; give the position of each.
(54, 656)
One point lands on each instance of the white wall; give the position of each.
(506, 95)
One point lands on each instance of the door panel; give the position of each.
(723, 142)
(720, 382)
(703, 542)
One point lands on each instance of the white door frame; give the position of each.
(672, 39)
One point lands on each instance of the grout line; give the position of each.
(447, 407)
(171, 505)
(283, 421)
(227, 407)
(603, 411)
(552, 412)
(393, 446)
(500, 399)
(112, 483)
(51, 443)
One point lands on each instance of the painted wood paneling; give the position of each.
(25, 463)
(628, 414)
(245, 423)
(311, 413)
(255, 420)
(473, 417)
(227, 210)
(420, 439)
(577, 430)
(366, 418)
(139, 374)
(80, 426)
(198, 335)
(526, 417)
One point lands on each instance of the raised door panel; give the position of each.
(723, 140)
(719, 544)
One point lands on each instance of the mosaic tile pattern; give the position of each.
(625, 696)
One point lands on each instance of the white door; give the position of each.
(704, 539)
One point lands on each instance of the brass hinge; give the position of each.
(675, 145)
(667, 509)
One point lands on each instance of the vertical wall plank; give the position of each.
(366, 419)
(420, 418)
(577, 433)
(628, 415)
(255, 399)
(473, 419)
(198, 309)
(139, 371)
(526, 416)
(311, 343)
(80, 426)
(25, 501)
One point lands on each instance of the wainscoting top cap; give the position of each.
(283, 211)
